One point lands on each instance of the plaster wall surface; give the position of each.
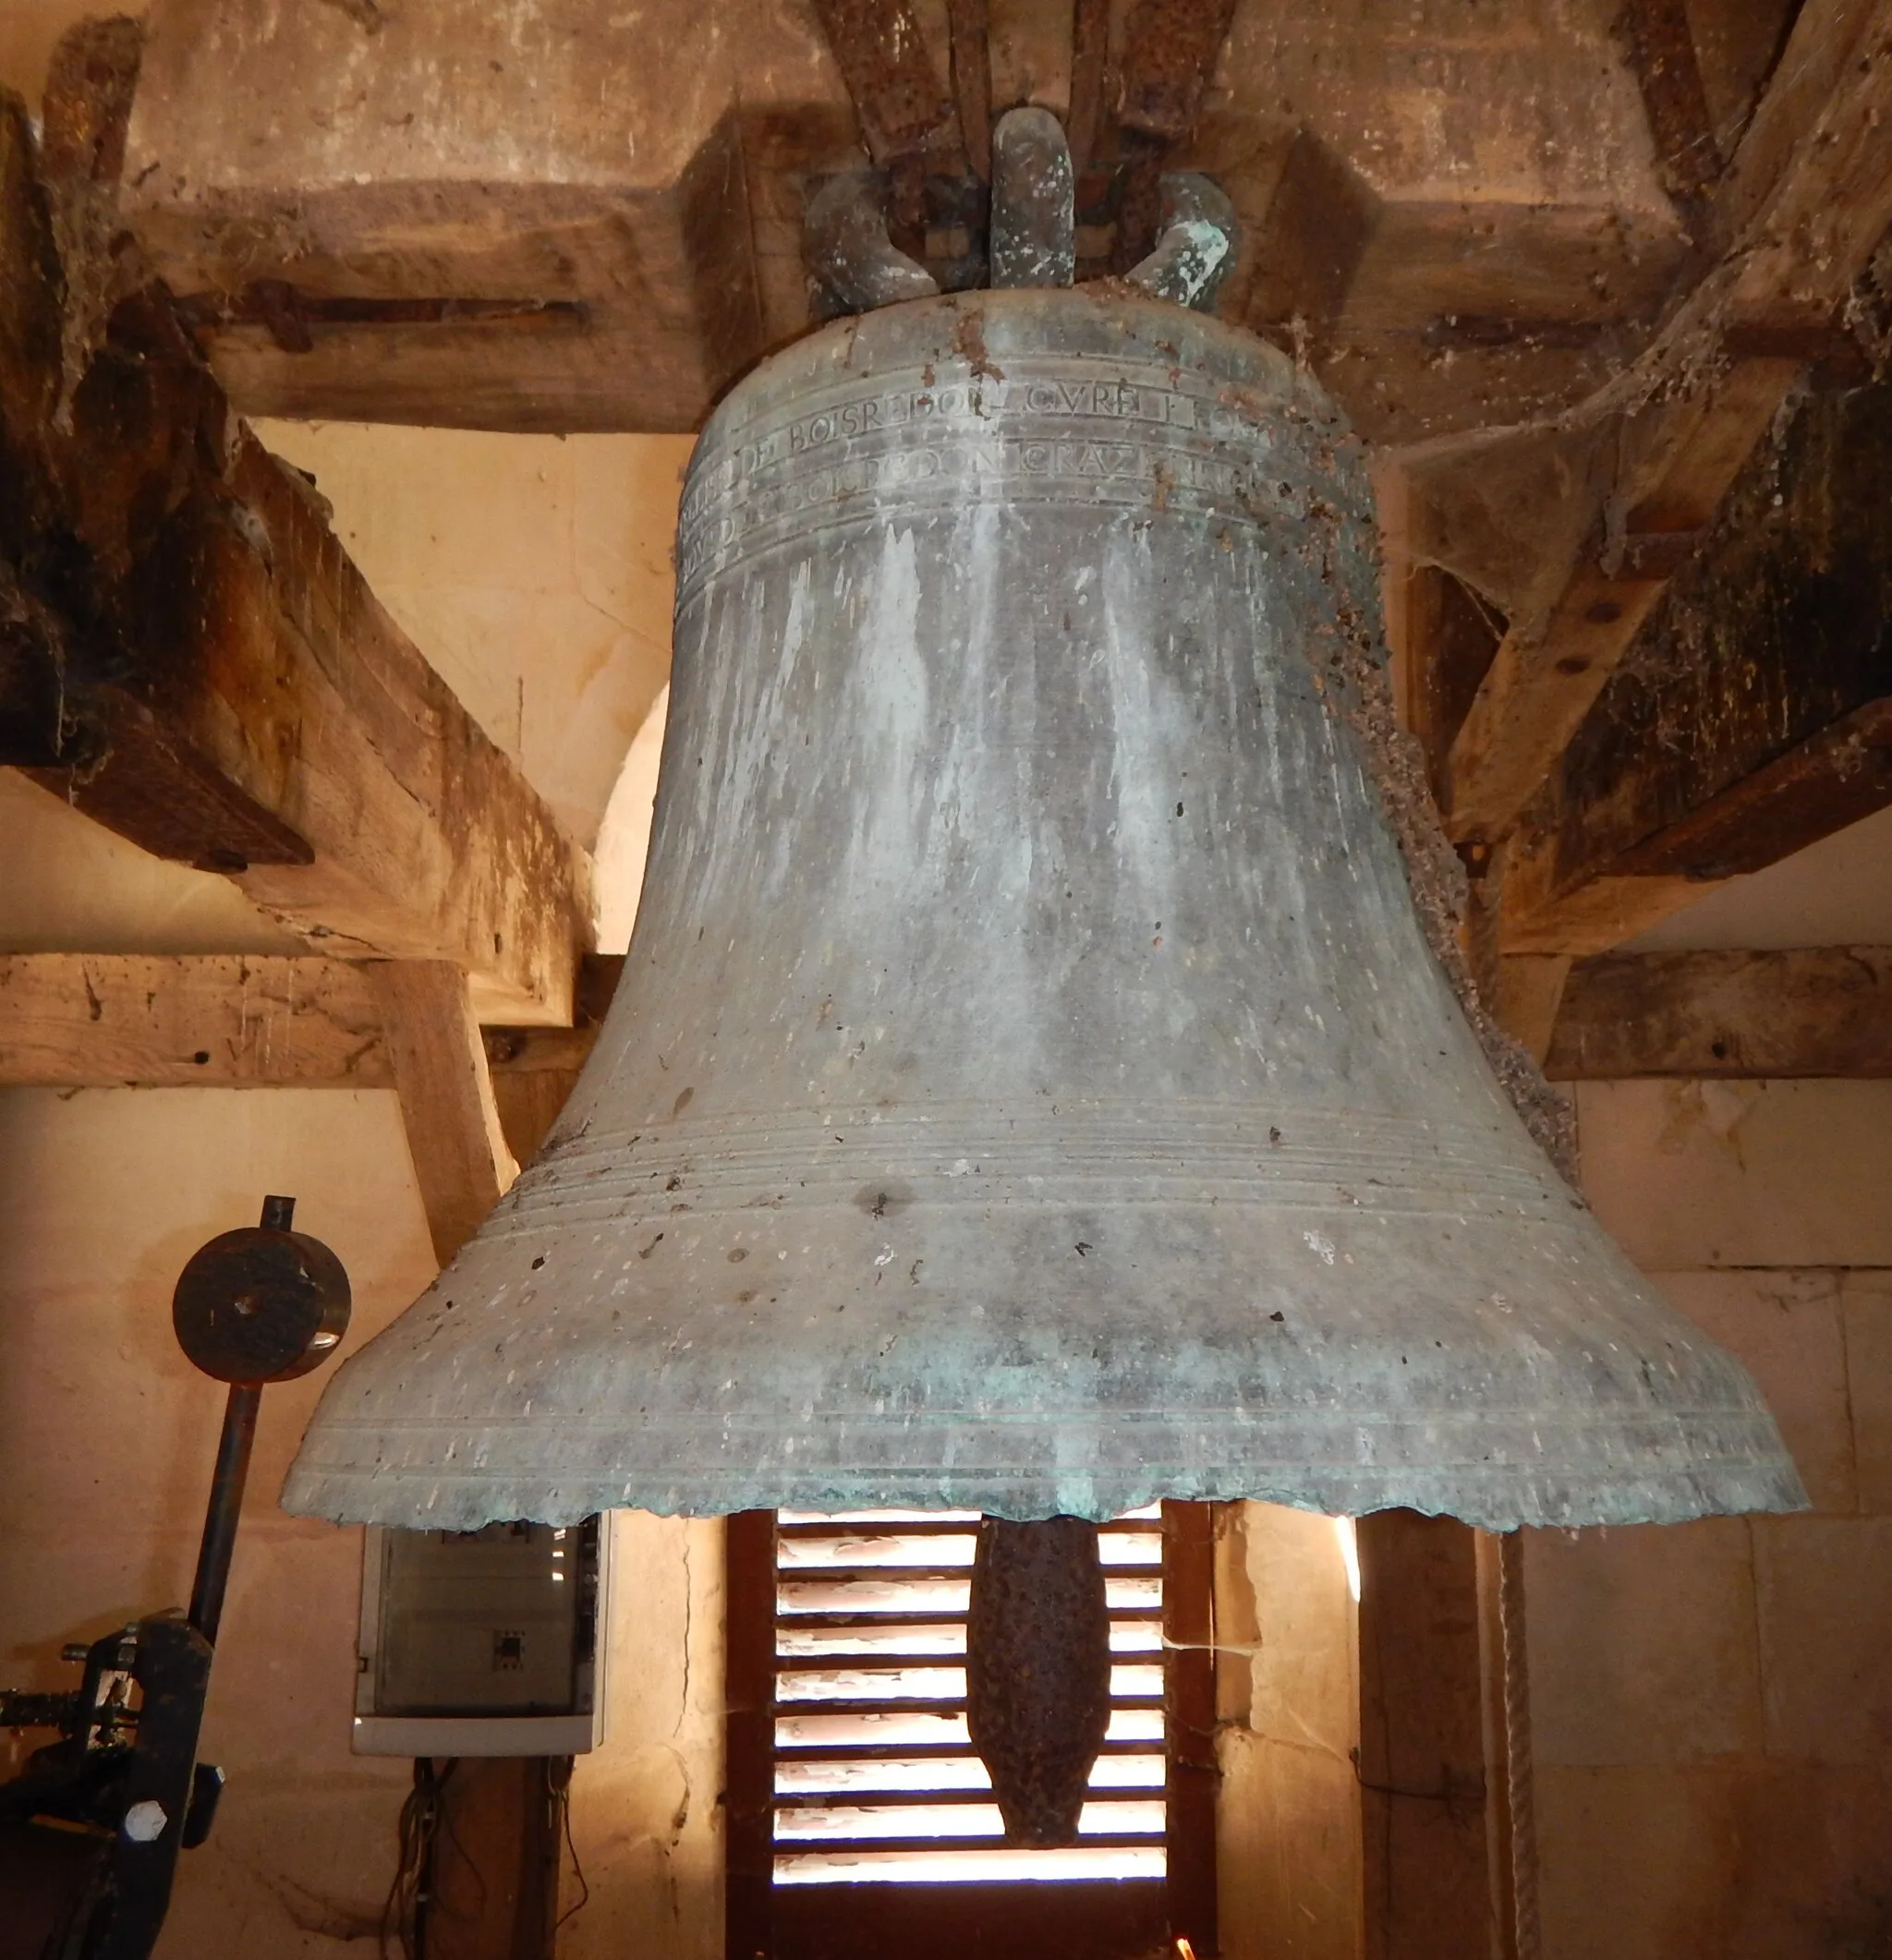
(27, 30)
(72, 886)
(106, 1440)
(534, 572)
(1833, 893)
(1712, 1702)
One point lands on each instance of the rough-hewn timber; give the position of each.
(1805, 198)
(1817, 1012)
(188, 655)
(424, 214)
(1754, 714)
(100, 1020)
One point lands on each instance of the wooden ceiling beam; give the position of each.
(1822, 1011)
(459, 215)
(226, 1021)
(1806, 198)
(1551, 666)
(426, 842)
(400, 219)
(1754, 716)
(188, 656)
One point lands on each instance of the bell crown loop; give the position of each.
(1030, 1090)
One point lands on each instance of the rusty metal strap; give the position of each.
(1168, 57)
(883, 60)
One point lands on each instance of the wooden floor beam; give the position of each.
(1819, 1011)
(98, 1020)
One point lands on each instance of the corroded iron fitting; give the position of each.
(1031, 232)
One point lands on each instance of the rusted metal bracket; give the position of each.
(293, 319)
(906, 116)
(1090, 61)
(889, 75)
(972, 80)
(1169, 53)
(1661, 49)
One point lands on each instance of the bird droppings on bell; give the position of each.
(1037, 1671)
(1015, 868)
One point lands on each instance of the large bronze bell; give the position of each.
(1030, 1090)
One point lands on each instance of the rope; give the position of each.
(1520, 1779)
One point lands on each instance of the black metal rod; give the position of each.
(231, 1474)
(227, 1501)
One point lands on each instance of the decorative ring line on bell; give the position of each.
(1205, 454)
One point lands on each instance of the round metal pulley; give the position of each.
(260, 1305)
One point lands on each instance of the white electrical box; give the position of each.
(481, 1643)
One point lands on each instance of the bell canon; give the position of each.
(1029, 1090)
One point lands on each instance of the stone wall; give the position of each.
(1713, 1702)
(1289, 1840)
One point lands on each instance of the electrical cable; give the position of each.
(421, 1815)
(558, 1784)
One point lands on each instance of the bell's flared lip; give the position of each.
(1493, 1499)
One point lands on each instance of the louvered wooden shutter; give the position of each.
(848, 1683)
